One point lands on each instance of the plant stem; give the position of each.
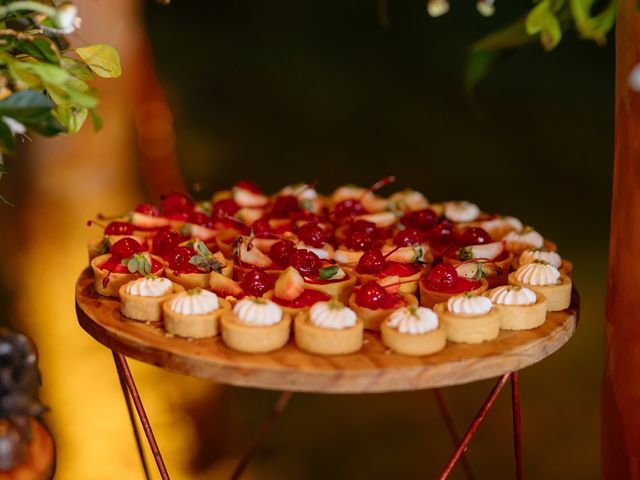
(28, 5)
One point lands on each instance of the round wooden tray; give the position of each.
(373, 369)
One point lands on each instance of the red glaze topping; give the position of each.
(306, 262)
(256, 283)
(224, 208)
(424, 219)
(119, 228)
(371, 262)
(281, 251)
(313, 235)
(165, 241)
(373, 296)
(400, 269)
(284, 206)
(444, 279)
(475, 236)
(125, 248)
(147, 209)
(307, 298)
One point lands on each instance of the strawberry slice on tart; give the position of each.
(373, 302)
(191, 264)
(333, 280)
(247, 194)
(403, 262)
(290, 293)
(444, 281)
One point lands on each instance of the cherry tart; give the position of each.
(444, 282)
(112, 271)
(191, 266)
(373, 303)
(401, 262)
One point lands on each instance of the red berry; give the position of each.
(443, 232)
(148, 209)
(261, 226)
(125, 248)
(306, 262)
(179, 260)
(442, 278)
(119, 228)
(176, 203)
(281, 251)
(284, 205)
(247, 185)
(256, 283)
(475, 236)
(200, 218)
(371, 262)
(371, 295)
(302, 214)
(425, 219)
(164, 242)
(409, 236)
(224, 208)
(313, 235)
(358, 240)
(348, 208)
(362, 226)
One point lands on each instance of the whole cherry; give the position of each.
(475, 236)
(358, 240)
(247, 185)
(371, 262)
(348, 208)
(442, 277)
(165, 241)
(176, 203)
(281, 251)
(306, 262)
(284, 205)
(125, 248)
(224, 208)
(408, 237)
(313, 235)
(201, 218)
(148, 209)
(261, 226)
(424, 219)
(362, 226)
(179, 260)
(371, 295)
(256, 283)
(119, 228)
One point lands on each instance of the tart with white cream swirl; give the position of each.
(194, 313)
(521, 307)
(141, 299)
(546, 280)
(413, 331)
(518, 242)
(549, 256)
(469, 318)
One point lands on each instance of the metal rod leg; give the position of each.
(261, 434)
(474, 426)
(123, 368)
(517, 432)
(453, 433)
(132, 418)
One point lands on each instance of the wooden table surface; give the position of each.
(373, 369)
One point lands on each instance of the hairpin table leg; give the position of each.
(517, 432)
(125, 373)
(453, 433)
(474, 426)
(276, 411)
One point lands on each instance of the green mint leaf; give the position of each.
(464, 253)
(327, 273)
(201, 248)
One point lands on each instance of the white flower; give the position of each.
(67, 19)
(15, 126)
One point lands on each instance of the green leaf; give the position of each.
(327, 273)
(201, 248)
(542, 19)
(96, 119)
(51, 74)
(74, 92)
(40, 48)
(26, 106)
(593, 28)
(72, 118)
(48, 125)
(7, 140)
(77, 68)
(103, 59)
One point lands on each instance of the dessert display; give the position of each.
(413, 331)
(258, 269)
(328, 328)
(469, 318)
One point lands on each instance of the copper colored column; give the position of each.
(621, 387)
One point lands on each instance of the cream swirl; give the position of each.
(461, 211)
(499, 226)
(522, 240)
(538, 273)
(512, 295)
(533, 254)
(469, 305)
(149, 287)
(257, 311)
(414, 320)
(194, 302)
(332, 315)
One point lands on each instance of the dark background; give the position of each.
(284, 91)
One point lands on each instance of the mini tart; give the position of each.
(373, 318)
(293, 311)
(197, 280)
(338, 289)
(94, 246)
(116, 280)
(197, 325)
(558, 296)
(409, 284)
(522, 317)
(429, 298)
(469, 329)
(143, 308)
(327, 341)
(248, 338)
(566, 266)
(413, 344)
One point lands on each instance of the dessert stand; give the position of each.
(372, 370)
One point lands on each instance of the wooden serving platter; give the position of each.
(373, 369)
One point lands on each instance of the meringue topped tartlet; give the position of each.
(445, 281)
(194, 313)
(373, 302)
(256, 325)
(329, 328)
(413, 331)
(522, 308)
(549, 256)
(545, 279)
(469, 318)
(141, 299)
(519, 241)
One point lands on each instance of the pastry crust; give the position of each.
(409, 284)
(558, 296)
(373, 318)
(116, 280)
(522, 317)
(144, 309)
(493, 280)
(194, 326)
(416, 345)
(197, 280)
(467, 329)
(254, 338)
(340, 289)
(429, 298)
(327, 341)
(566, 266)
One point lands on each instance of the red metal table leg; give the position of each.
(125, 373)
(517, 433)
(132, 419)
(261, 434)
(453, 433)
(474, 426)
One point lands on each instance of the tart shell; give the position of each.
(409, 285)
(116, 280)
(558, 296)
(417, 345)
(254, 338)
(523, 317)
(429, 298)
(340, 289)
(373, 318)
(194, 326)
(463, 329)
(144, 309)
(327, 341)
